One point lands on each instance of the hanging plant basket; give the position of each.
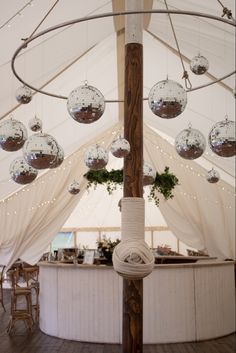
(164, 183)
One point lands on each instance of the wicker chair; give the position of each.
(17, 313)
(31, 277)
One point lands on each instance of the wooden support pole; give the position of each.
(132, 341)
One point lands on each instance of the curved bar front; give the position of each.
(182, 302)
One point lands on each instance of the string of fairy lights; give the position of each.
(8, 23)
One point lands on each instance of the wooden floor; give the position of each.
(37, 342)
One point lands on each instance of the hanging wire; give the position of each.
(188, 84)
(226, 12)
(43, 19)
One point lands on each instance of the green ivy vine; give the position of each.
(164, 183)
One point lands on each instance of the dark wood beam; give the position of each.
(133, 187)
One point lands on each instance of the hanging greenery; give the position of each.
(164, 183)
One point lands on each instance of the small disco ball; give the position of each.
(21, 172)
(74, 188)
(190, 143)
(40, 150)
(213, 176)
(35, 124)
(96, 157)
(13, 135)
(199, 65)
(222, 138)
(23, 95)
(120, 147)
(167, 99)
(86, 104)
(149, 174)
(59, 158)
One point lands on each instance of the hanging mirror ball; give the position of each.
(35, 124)
(86, 104)
(21, 172)
(149, 174)
(96, 157)
(23, 95)
(190, 143)
(40, 150)
(167, 99)
(74, 188)
(13, 135)
(59, 158)
(120, 147)
(213, 176)
(199, 65)
(222, 138)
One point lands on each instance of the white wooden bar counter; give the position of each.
(182, 302)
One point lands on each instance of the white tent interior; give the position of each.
(202, 215)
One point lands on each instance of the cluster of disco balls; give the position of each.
(40, 151)
(86, 104)
(96, 157)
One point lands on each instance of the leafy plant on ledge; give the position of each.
(164, 183)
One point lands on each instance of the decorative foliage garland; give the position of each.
(164, 183)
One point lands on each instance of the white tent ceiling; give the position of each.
(92, 48)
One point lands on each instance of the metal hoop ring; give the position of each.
(114, 14)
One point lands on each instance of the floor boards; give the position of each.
(37, 342)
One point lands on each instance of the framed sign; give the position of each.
(88, 257)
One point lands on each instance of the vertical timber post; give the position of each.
(132, 340)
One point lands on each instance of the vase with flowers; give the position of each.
(105, 247)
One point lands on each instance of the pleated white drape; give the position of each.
(201, 214)
(31, 217)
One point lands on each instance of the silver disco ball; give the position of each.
(40, 150)
(86, 104)
(74, 188)
(222, 138)
(213, 176)
(199, 65)
(190, 143)
(167, 99)
(59, 158)
(149, 174)
(13, 135)
(35, 124)
(21, 172)
(120, 147)
(96, 157)
(23, 95)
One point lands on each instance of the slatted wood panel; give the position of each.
(38, 342)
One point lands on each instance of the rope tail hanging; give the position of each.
(132, 257)
(188, 84)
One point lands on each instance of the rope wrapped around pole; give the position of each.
(132, 257)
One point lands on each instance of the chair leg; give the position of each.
(1, 300)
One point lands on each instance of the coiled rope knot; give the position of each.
(133, 259)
